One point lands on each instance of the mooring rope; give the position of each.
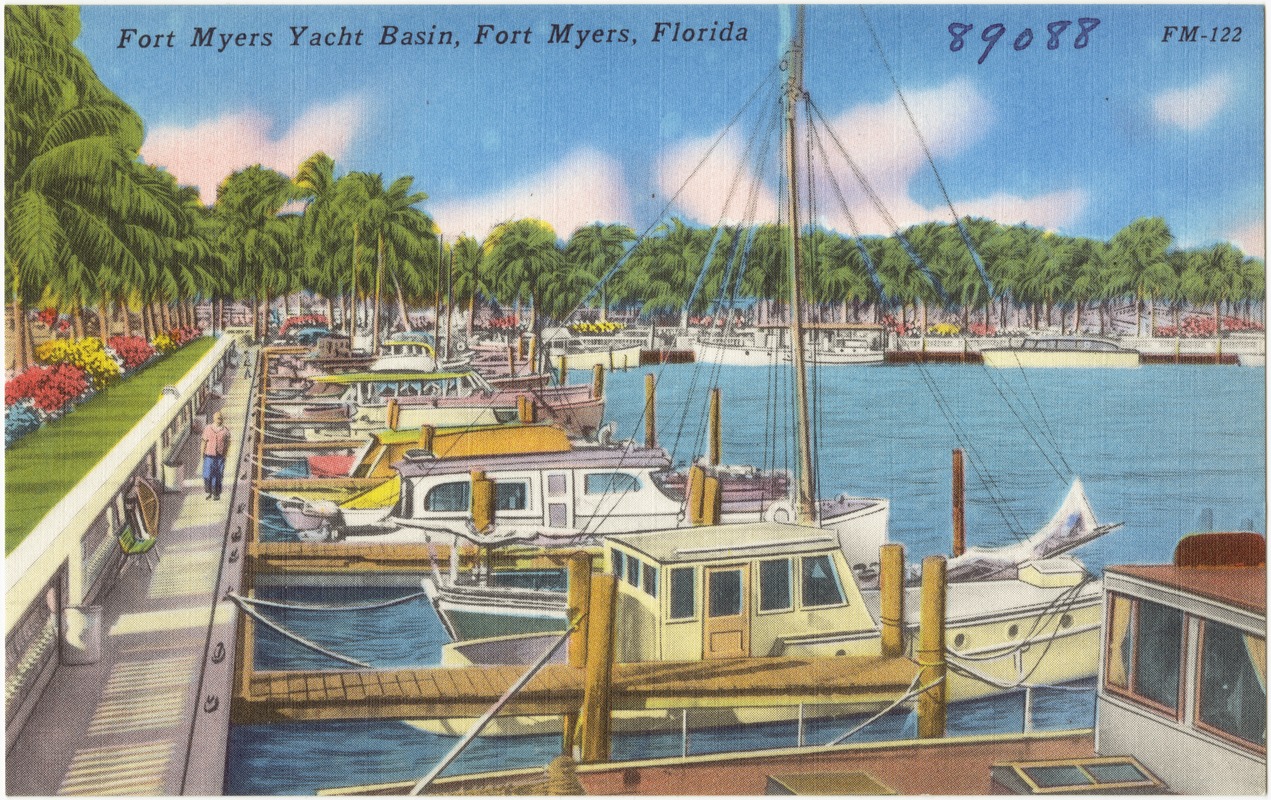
(251, 612)
(909, 694)
(306, 607)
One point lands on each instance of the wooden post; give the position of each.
(715, 429)
(511, 360)
(520, 347)
(597, 700)
(392, 414)
(525, 411)
(579, 603)
(482, 500)
(650, 411)
(564, 373)
(598, 381)
(533, 354)
(891, 586)
(611, 358)
(695, 492)
(426, 435)
(959, 505)
(712, 501)
(931, 658)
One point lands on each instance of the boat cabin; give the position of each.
(1183, 684)
(377, 388)
(1071, 343)
(725, 591)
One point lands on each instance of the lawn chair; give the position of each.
(137, 538)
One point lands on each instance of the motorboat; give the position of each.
(1061, 351)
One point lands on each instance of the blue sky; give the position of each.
(1081, 141)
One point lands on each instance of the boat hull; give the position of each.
(1002, 358)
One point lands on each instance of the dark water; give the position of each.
(1162, 449)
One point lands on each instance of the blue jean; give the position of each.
(213, 472)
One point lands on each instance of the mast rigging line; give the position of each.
(966, 238)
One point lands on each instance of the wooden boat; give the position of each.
(1184, 678)
(1061, 351)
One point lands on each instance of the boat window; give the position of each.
(650, 580)
(619, 563)
(725, 593)
(633, 571)
(610, 483)
(1233, 683)
(1120, 641)
(511, 496)
(683, 593)
(1029, 344)
(385, 389)
(448, 497)
(775, 589)
(821, 582)
(1159, 653)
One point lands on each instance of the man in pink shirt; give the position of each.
(215, 445)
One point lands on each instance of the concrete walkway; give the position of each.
(124, 726)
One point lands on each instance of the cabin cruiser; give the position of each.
(1061, 351)
(824, 344)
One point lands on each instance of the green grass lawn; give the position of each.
(43, 466)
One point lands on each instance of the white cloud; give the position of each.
(1193, 107)
(1251, 238)
(205, 153)
(586, 186)
(700, 183)
(881, 142)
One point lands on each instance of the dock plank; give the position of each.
(558, 688)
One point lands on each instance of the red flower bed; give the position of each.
(134, 350)
(981, 329)
(183, 335)
(502, 323)
(301, 322)
(49, 388)
(1203, 327)
(47, 315)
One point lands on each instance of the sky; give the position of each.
(1081, 141)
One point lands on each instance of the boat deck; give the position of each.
(558, 689)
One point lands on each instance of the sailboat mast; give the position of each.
(805, 509)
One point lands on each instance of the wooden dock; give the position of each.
(437, 693)
(346, 557)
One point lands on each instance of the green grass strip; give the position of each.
(43, 466)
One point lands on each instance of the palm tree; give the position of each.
(468, 255)
(593, 249)
(251, 238)
(1139, 263)
(69, 148)
(401, 231)
(523, 257)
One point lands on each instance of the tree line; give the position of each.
(99, 234)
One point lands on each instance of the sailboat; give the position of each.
(1016, 618)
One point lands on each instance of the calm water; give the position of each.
(1162, 449)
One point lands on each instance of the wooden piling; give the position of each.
(712, 500)
(959, 505)
(426, 435)
(525, 411)
(511, 360)
(533, 354)
(695, 492)
(482, 500)
(891, 585)
(598, 381)
(392, 414)
(650, 418)
(597, 691)
(564, 371)
(931, 657)
(579, 604)
(715, 429)
(520, 348)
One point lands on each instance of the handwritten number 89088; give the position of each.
(993, 33)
